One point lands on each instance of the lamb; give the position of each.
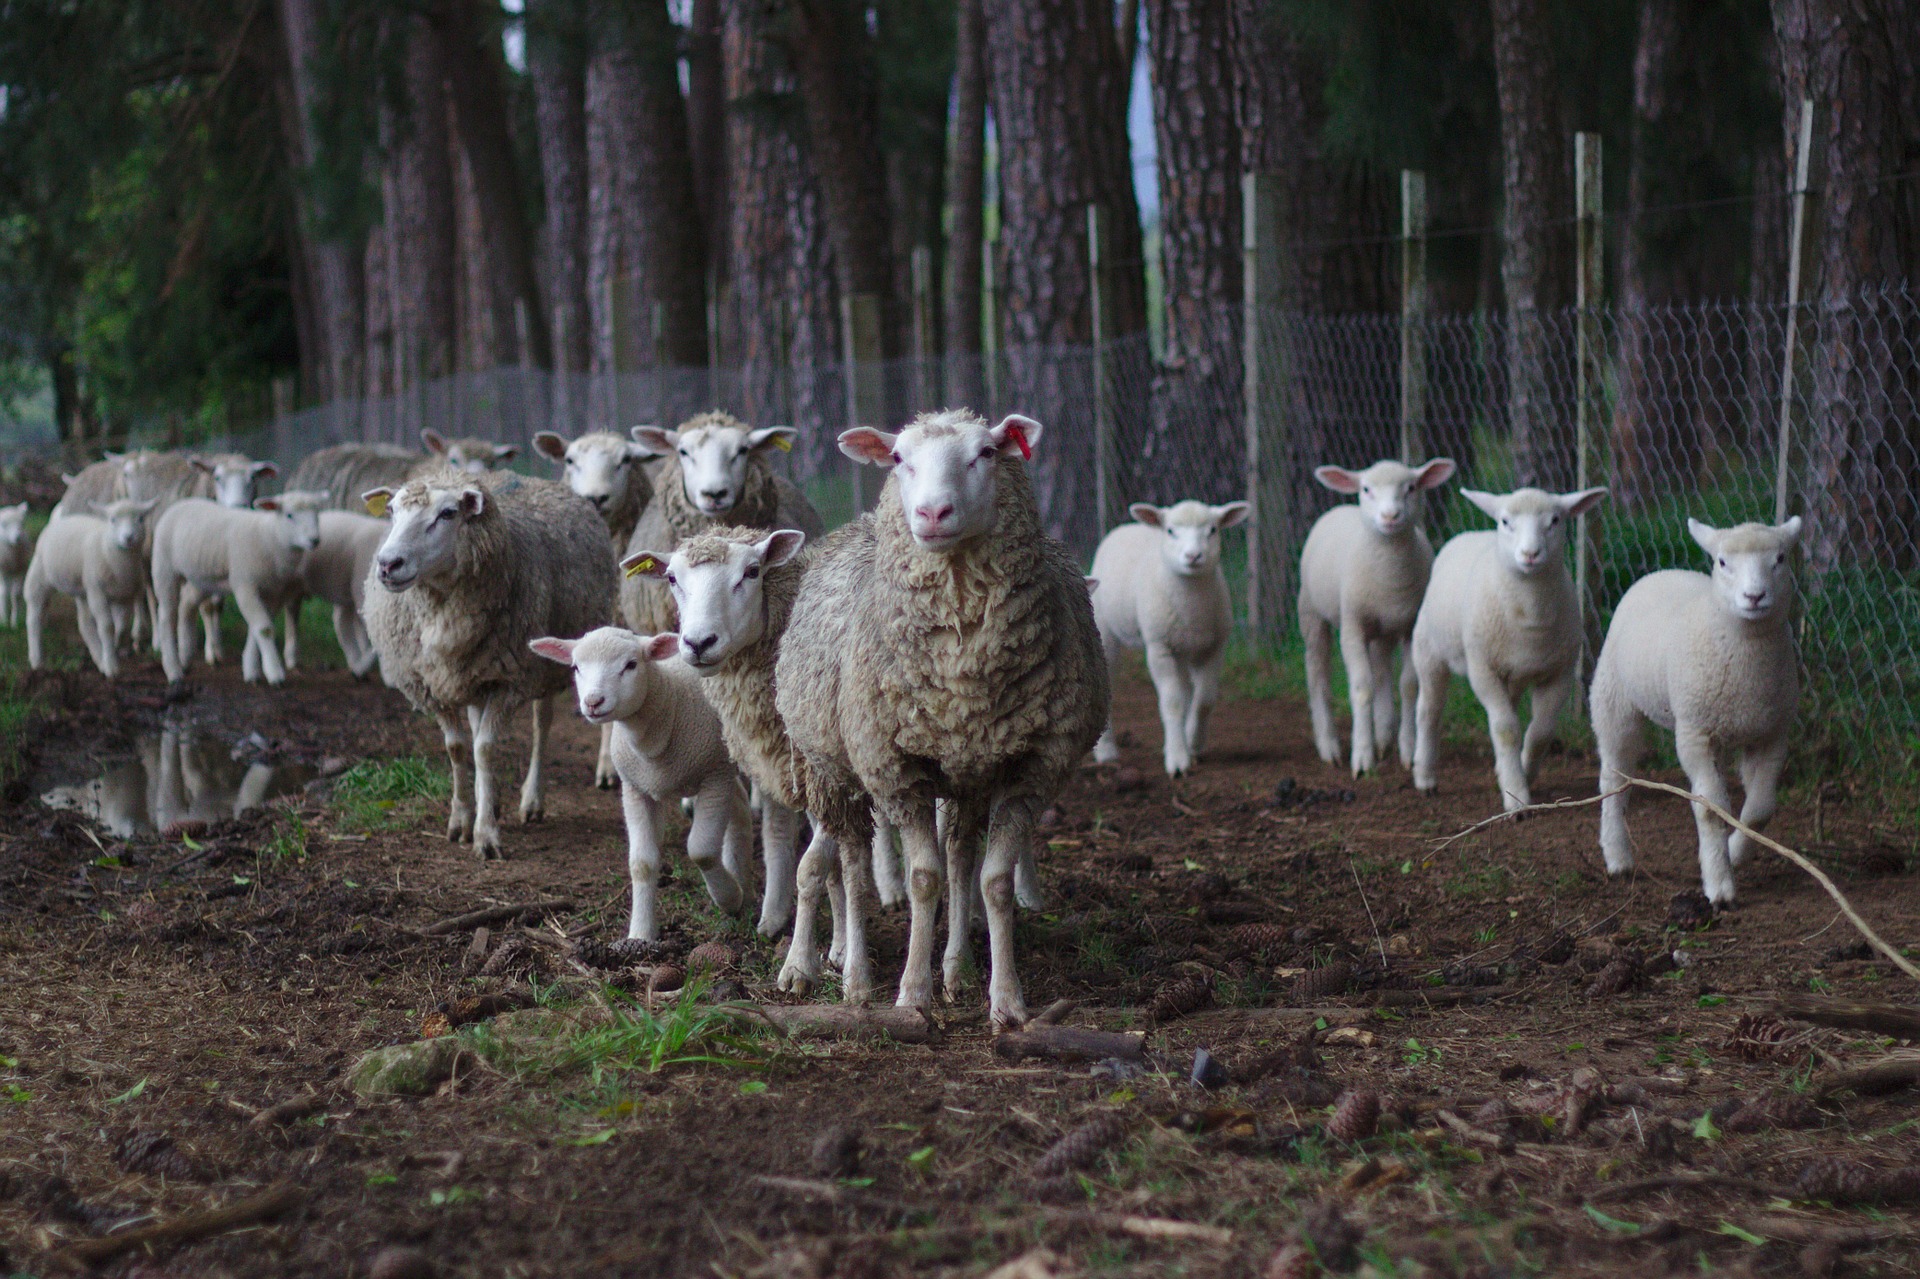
(346, 471)
(1500, 608)
(336, 571)
(95, 559)
(1712, 658)
(943, 647)
(473, 568)
(235, 478)
(16, 552)
(1363, 571)
(715, 474)
(1161, 589)
(667, 744)
(256, 556)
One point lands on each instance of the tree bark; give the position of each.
(557, 66)
(966, 185)
(1537, 267)
(423, 275)
(706, 108)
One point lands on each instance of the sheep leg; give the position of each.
(1544, 721)
(1503, 726)
(1695, 749)
(604, 775)
(92, 613)
(645, 823)
(249, 659)
(1319, 638)
(1008, 831)
(1356, 656)
(1433, 677)
(484, 721)
(1106, 750)
(1176, 694)
(778, 827)
(260, 630)
(459, 742)
(961, 840)
(1760, 777)
(1380, 656)
(1409, 699)
(837, 908)
(736, 847)
(716, 809)
(210, 630)
(1206, 695)
(167, 588)
(856, 880)
(533, 791)
(344, 631)
(924, 874)
(290, 642)
(888, 853)
(1619, 732)
(1026, 882)
(369, 655)
(36, 599)
(801, 971)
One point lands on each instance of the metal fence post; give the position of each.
(1104, 488)
(1413, 312)
(1802, 168)
(1588, 282)
(1263, 375)
(860, 356)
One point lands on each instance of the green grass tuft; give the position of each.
(379, 795)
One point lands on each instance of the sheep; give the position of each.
(715, 473)
(346, 471)
(1500, 608)
(16, 552)
(473, 568)
(255, 556)
(95, 559)
(1363, 571)
(235, 479)
(1710, 656)
(667, 744)
(943, 647)
(97, 482)
(1161, 589)
(336, 571)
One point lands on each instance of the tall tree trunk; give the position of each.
(476, 81)
(333, 265)
(1538, 264)
(423, 274)
(556, 65)
(1059, 98)
(1859, 471)
(1190, 47)
(485, 338)
(707, 127)
(966, 181)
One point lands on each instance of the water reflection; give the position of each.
(177, 775)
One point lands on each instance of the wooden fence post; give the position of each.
(1802, 170)
(1588, 282)
(860, 358)
(1413, 313)
(1106, 490)
(1263, 373)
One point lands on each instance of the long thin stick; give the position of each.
(269, 1203)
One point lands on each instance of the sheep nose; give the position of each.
(600, 500)
(933, 515)
(1755, 598)
(391, 564)
(697, 648)
(594, 702)
(713, 497)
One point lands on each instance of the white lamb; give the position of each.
(16, 552)
(97, 561)
(1712, 658)
(255, 556)
(1161, 589)
(1500, 609)
(235, 478)
(1363, 572)
(336, 571)
(666, 745)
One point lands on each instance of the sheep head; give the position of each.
(476, 457)
(717, 583)
(1751, 576)
(13, 524)
(298, 513)
(234, 479)
(126, 520)
(1530, 525)
(1191, 542)
(612, 668)
(598, 467)
(1388, 490)
(424, 540)
(715, 451)
(945, 467)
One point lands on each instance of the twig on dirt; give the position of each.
(272, 1202)
(1363, 901)
(837, 1021)
(287, 1112)
(1885, 1074)
(1683, 1181)
(1067, 1043)
(843, 1196)
(1478, 1136)
(1898, 1020)
(1054, 1013)
(492, 915)
(1166, 1228)
(1802, 1230)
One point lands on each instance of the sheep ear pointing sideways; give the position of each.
(376, 501)
(864, 444)
(554, 650)
(645, 564)
(779, 437)
(1017, 432)
(657, 440)
(1147, 513)
(550, 444)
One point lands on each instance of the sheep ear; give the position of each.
(1337, 478)
(265, 470)
(864, 444)
(778, 547)
(1017, 431)
(505, 452)
(554, 650)
(656, 439)
(1583, 501)
(200, 463)
(1790, 530)
(68, 479)
(1434, 473)
(1705, 534)
(1093, 584)
(1232, 513)
(639, 453)
(661, 647)
(1487, 502)
(473, 502)
(549, 444)
(266, 503)
(435, 442)
(645, 564)
(147, 506)
(1146, 513)
(376, 501)
(780, 437)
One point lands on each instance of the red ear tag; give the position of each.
(1019, 437)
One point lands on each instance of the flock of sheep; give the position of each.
(930, 673)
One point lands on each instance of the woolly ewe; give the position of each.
(1363, 572)
(1161, 589)
(346, 471)
(96, 560)
(16, 552)
(1712, 658)
(666, 744)
(1500, 609)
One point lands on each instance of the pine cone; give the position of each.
(1322, 983)
(1757, 1037)
(1556, 950)
(836, 1152)
(1159, 958)
(1622, 974)
(1178, 998)
(1471, 974)
(1782, 1110)
(1170, 930)
(713, 957)
(1355, 1116)
(1062, 1189)
(156, 1153)
(1261, 942)
(665, 978)
(1689, 909)
(1493, 1115)
(510, 954)
(1293, 1261)
(1081, 1147)
(1205, 885)
(435, 1024)
(1845, 1181)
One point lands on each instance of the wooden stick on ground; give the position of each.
(492, 915)
(1067, 1043)
(1683, 1181)
(1885, 1074)
(837, 1021)
(1898, 1020)
(268, 1204)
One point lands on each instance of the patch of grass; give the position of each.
(290, 842)
(379, 795)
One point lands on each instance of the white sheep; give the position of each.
(255, 556)
(336, 571)
(234, 478)
(100, 481)
(16, 552)
(667, 745)
(1710, 656)
(1363, 571)
(473, 568)
(1500, 609)
(1161, 589)
(96, 560)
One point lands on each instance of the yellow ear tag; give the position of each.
(377, 505)
(642, 565)
(782, 443)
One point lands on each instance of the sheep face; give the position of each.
(718, 592)
(13, 524)
(1530, 525)
(945, 466)
(598, 467)
(1751, 576)
(299, 517)
(1191, 545)
(1388, 490)
(611, 668)
(424, 540)
(714, 457)
(234, 481)
(126, 520)
(476, 457)
(142, 474)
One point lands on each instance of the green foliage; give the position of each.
(377, 795)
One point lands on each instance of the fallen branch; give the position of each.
(1437, 996)
(838, 1021)
(1502, 1142)
(1802, 1230)
(1168, 1228)
(1054, 1013)
(1684, 1181)
(1068, 1043)
(1897, 1020)
(287, 1112)
(268, 1204)
(1885, 1074)
(492, 915)
(841, 1196)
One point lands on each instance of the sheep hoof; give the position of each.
(1106, 753)
(531, 813)
(795, 980)
(1010, 1015)
(606, 781)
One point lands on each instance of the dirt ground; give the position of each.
(1557, 1094)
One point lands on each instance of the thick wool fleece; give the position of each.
(344, 471)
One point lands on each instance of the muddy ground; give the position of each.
(158, 990)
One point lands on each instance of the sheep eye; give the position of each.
(986, 453)
(1723, 563)
(631, 664)
(896, 457)
(672, 580)
(753, 571)
(1780, 558)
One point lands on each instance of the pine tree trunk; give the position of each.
(556, 66)
(1537, 268)
(1192, 445)
(1858, 473)
(423, 275)
(707, 127)
(966, 184)
(485, 339)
